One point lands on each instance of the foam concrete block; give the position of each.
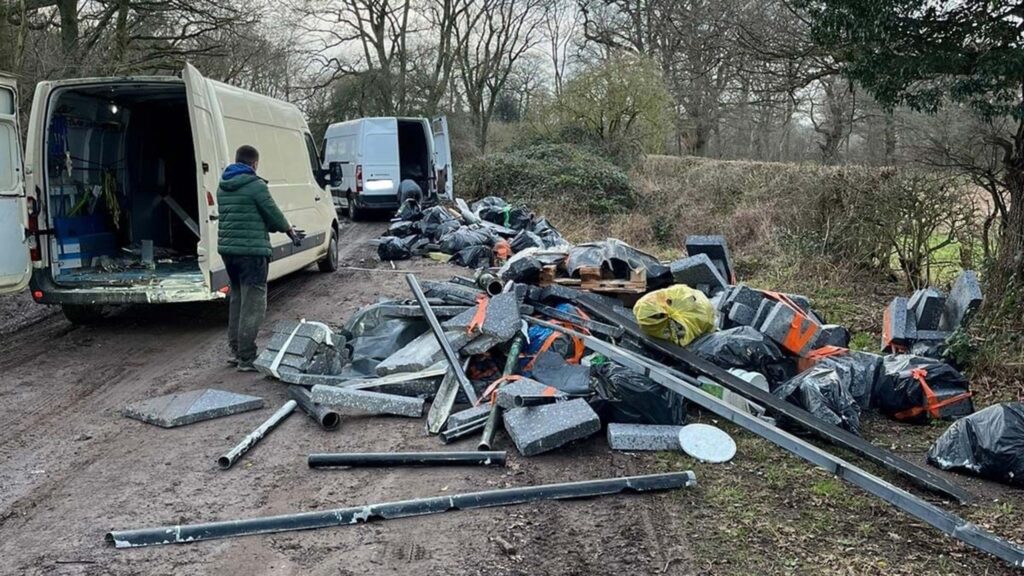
(898, 325)
(537, 429)
(508, 392)
(698, 272)
(833, 335)
(741, 314)
(927, 304)
(643, 437)
(715, 248)
(370, 402)
(421, 353)
(762, 312)
(192, 406)
(743, 294)
(963, 301)
(791, 330)
(501, 318)
(467, 416)
(551, 369)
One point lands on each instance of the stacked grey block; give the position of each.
(698, 272)
(307, 351)
(898, 327)
(833, 335)
(369, 402)
(643, 437)
(963, 301)
(501, 318)
(927, 305)
(715, 248)
(778, 324)
(537, 429)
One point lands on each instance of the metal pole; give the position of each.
(925, 511)
(370, 459)
(186, 533)
(228, 460)
(442, 340)
(533, 400)
(492, 417)
(452, 434)
(595, 327)
(327, 419)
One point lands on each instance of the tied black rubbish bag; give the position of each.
(916, 389)
(988, 443)
(627, 397)
(865, 369)
(488, 202)
(747, 349)
(437, 222)
(514, 217)
(824, 392)
(464, 237)
(473, 257)
(392, 248)
(404, 228)
(526, 239)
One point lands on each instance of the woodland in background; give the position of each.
(930, 90)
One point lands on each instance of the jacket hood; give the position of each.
(237, 175)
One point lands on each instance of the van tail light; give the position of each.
(359, 178)
(209, 199)
(37, 295)
(33, 239)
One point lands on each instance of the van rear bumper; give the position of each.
(376, 201)
(46, 291)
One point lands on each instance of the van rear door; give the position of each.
(15, 264)
(380, 163)
(207, 168)
(442, 157)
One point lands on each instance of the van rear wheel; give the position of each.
(354, 214)
(82, 313)
(330, 260)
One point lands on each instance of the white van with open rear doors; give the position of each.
(117, 203)
(377, 154)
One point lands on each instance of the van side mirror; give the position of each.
(334, 175)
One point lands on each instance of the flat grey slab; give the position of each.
(371, 402)
(190, 407)
(421, 353)
(501, 319)
(525, 387)
(706, 443)
(537, 429)
(643, 437)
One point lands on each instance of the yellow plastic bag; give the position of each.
(677, 313)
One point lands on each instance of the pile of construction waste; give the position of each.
(547, 343)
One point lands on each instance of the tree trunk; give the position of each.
(1005, 279)
(69, 32)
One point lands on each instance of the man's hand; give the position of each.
(296, 235)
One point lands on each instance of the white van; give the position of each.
(118, 203)
(377, 154)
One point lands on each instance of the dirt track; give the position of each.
(72, 468)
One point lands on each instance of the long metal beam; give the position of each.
(187, 533)
(373, 459)
(830, 432)
(449, 353)
(945, 521)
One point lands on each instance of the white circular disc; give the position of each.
(706, 443)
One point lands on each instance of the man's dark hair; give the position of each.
(246, 155)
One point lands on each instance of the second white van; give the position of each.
(377, 154)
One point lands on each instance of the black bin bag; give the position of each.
(988, 443)
(393, 248)
(745, 348)
(627, 397)
(917, 389)
(824, 391)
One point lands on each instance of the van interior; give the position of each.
(414, 153)
(121, 184)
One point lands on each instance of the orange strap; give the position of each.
(491, 393)
(817, 354)
(480, 316)
(931, 400)
(502, 250)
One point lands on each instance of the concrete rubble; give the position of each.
(643, 437)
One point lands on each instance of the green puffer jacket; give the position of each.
(247, 215)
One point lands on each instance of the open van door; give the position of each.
(15, 264)
(442, 157)
(200, 114)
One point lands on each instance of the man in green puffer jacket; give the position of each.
(248, 215)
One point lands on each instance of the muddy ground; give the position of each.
(72, 468)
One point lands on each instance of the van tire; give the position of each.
(329, 263)
(354, 214)
(82, 313)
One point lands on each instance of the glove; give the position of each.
(296, 235)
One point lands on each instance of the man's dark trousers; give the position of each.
(247, 276)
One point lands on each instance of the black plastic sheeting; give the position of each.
(526, 239)
(473, 257)
(393, 248)
(865, 369)
(514, 217)
(626, 397)
(465, 237)
(824, 392)
(988, 443)
(745, 348)
(618, 257)
(375, 337)
(898, 390)
(437, 222)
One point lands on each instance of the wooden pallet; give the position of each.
(593, 279)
